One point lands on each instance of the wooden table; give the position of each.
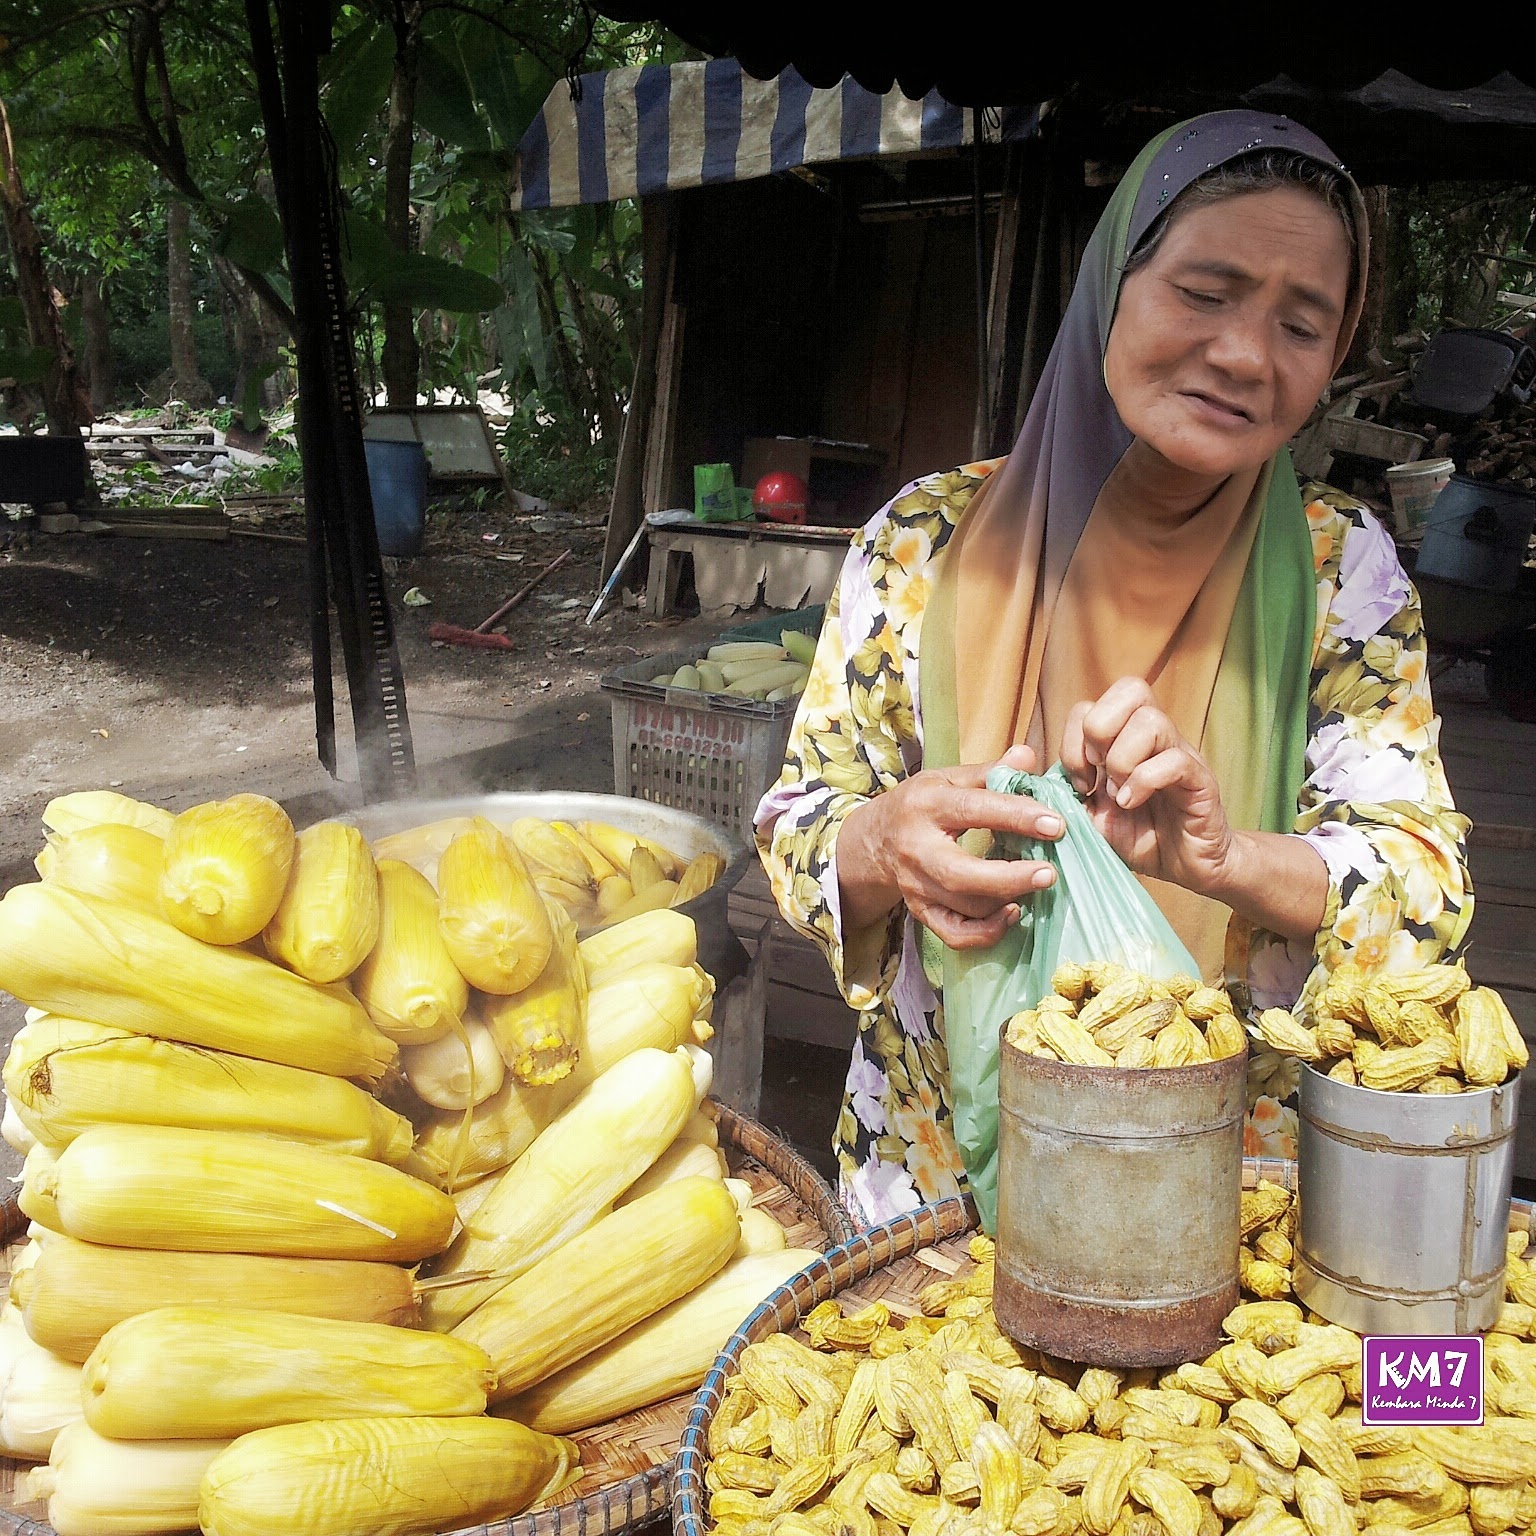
(741, 564)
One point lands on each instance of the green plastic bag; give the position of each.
(1096, 910)
(714, 494)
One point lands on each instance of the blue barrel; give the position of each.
(397, 481)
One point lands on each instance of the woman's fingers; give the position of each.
(1164, 770)
(1147, 733)
(1074, 756)
(959, 931)
(938, 871)
(1105, 717)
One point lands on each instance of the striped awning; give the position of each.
(662, 127)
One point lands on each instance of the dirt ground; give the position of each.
(179, 671)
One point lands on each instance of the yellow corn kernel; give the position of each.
(409, 983)
(538, 1029)
(225, 868)
(494, 921)
(327, 922)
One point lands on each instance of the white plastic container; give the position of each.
(1414, 488)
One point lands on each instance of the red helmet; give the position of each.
(781, 497)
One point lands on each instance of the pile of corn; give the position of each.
(942, 1426)
(219, 1320)
(749, 669)
(1103, 1015)
(1423, 1031)
(600, 875)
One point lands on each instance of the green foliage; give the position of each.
(1446, 234)
(548, 455)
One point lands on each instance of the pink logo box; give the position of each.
(1423, 1380)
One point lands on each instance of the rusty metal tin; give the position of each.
(1119, 1206)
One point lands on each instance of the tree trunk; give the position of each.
(96, 323)
(1372, 333)
(64, 400)
(186, 382)
(258, 335)
(401, 358)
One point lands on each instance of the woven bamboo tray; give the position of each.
(626, 1464)
(890, 1263)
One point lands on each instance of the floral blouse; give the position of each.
(1375, 805)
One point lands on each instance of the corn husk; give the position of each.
(65, 1075)
(409, 984)
(668, 936)
(328, 920)
(15, 1132)
(226, 867)
(538, 1030)
(76, 1291)
(100, 1487)
(668, 1353)
(702, 872)
(112, 860)
(93, 807)
(185, 1373)
(421, 847)
(651, 1005)
(684, 1159)
(381, 1477)
(621, 1270)
(40, 1394)
(760, 1233)
(454, 1072)
(662, 893)
(137, 1186)
(493, 919)
(618, 847)
(599, 867)
(88, 959)
(571, 1174)
(546, 852)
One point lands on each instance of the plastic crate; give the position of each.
(701, 752)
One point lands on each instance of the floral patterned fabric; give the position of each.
(1375, 805)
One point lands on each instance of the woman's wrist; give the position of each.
(1275, 880)
(867, 891)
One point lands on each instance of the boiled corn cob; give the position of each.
(545, 851)
(100, 1487)
(685, 1158)
(454, 1072)
(381, 1477)
(185, 1373)
(668, 1353)
(39, 1397)
(225, 868)
(327, 923)
(89, 959)
(666, 936)
(538, 1029)
(571, 1174)
(112, 860)
(651, 1004)
(65, 1076)
(618, 846)
(621, 1270)
(136, 1186)
(409, 983)
(493, 919)
(94, 807)
(77, 1291)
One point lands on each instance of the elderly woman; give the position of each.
(1230, 667)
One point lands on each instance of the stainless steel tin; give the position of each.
(1404, 1205)
(720, 952)
(1119, 1201)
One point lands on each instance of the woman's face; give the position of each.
(1223, 340)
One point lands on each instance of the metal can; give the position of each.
(1119, 1207)
(1404, 1205)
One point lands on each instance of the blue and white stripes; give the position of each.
(661, 127)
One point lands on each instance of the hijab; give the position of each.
(1056, 582)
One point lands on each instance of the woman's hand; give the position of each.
(901, 847)
(1150, 793)
(1159, 807)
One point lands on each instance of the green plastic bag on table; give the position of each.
(714, 494)
(1096, 910)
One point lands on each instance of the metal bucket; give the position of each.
(1404, 1205)
(1118, 1211)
